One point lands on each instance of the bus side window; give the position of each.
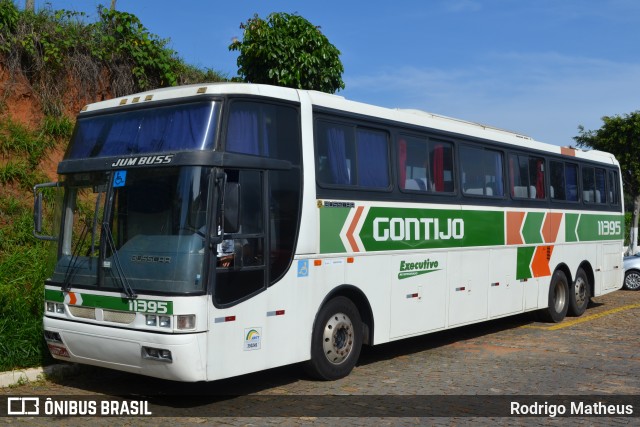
(588, 185)
(373, 158)
(526, 177)
(263, 129)
(613, 188)
(349, 155)
(414, 164)
(571, 178)
(425, 165)
(600, 186)
(557, 186)
(481, 172)
(333, 160)
(441, 155)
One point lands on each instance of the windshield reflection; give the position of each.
(146, 230)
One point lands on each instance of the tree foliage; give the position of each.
(287, 50)
(55, 48)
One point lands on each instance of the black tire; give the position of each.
(579, 294)
(336, 340)
(558, 298)
(632, 280)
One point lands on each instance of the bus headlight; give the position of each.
(53, 307)
(151, 320)
(165, 321)
(186, 321)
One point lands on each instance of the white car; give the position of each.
(632, 272)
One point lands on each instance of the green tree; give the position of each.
(287, 50)
(620, 135)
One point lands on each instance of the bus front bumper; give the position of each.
(179, 357)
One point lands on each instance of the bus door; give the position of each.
(240, 246)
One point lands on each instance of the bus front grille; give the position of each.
(119, 316)
(84, 312)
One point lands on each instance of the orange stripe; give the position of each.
(514, 224)
(352, 228)
(551, 226)
(72, 298)
(540, 262)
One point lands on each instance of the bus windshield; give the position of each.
(143, 230)
(175, 127)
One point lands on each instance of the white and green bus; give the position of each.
(209, 231)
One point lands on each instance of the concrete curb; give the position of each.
(18, 376)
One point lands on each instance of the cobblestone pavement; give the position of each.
(596, 354)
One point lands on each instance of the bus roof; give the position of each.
(337, 102)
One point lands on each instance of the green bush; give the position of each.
(23, 268)
(25, 149)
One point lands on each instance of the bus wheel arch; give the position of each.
(581, 289)
(362, 304)
(339, 330)
(558, 297)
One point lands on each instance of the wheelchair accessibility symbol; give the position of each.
(119, 179)
(303, 268)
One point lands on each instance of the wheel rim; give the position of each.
(337, 340)
(580, 291)
(632, 281)
(560, 297)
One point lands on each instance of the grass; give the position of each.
(23, 259)
(23, 268)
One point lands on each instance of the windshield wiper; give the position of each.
(73, 262)
(120, 276)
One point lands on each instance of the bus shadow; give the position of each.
(434, 340)
(103, 381)
(173, 394)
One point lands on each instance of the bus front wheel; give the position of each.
(336, 340)
(558, 298)
(579, 294)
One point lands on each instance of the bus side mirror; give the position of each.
(37, 213)
(232, 207)
(37, 210)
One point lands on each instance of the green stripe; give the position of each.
(55, 296)
(406, 274)
(525, 255)
(570, 222)
(102, 301)
(593, 227)
(108, 302)
(532, 226)
(405, 228)
(600, 227)
(331, 222)
(395, 228)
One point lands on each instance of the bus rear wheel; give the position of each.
(558, 304)
(336, 340)
(579, 294)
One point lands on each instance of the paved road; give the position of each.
(402, 382)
